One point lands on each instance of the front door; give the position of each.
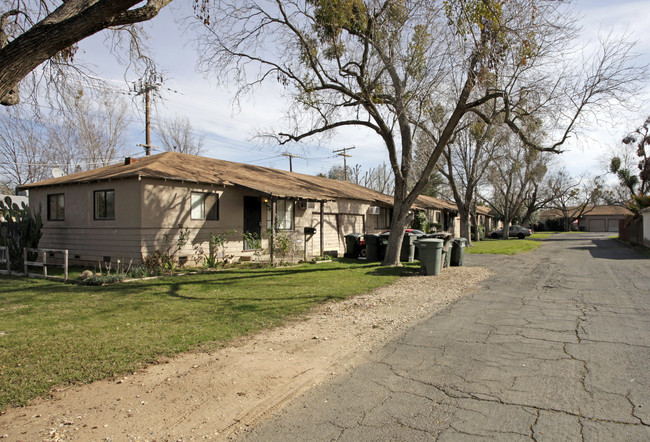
(252, 217)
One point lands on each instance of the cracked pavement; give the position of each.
(554, 346)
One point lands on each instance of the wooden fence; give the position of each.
(43, 263)
(5, 259)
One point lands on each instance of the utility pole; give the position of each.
(144, 87)
(291, 157)
(344, 153)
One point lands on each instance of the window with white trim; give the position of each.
(204, 206)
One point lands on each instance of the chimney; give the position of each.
(130, 160)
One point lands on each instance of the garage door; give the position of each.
(612, 225)
(597, 225)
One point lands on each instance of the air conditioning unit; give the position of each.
(303, 205)
(374, 210)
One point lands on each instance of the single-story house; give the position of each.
(129, 210)
(441, 212)
(593, 219)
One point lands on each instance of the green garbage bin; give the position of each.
(458, 251)
(372, 246)
(407, 254)
(352, 245)
(430, 250)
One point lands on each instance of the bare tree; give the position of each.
(177, 134)
(380, 178)
(399, 68)
(575, 197)
(512, 179)
(464, 164)
(22, 158)
(90, 132)
(37, 31)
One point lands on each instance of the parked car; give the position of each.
(515, 231)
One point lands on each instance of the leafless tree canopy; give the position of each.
(177, 134)
(22, 158)
(401, 68)
(36, 31)
(88, 132)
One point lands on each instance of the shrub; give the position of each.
(283, 244)
(420, 221)
(21, 229)
(254, 242)
(481, 232)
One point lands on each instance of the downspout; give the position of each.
(272, 235)
(322, 235)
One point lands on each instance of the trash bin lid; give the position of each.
(429, 243)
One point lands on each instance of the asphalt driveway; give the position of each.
(554, 346)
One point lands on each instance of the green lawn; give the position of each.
(511, 246)
(53, 333)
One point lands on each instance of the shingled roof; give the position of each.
(174, 166)
(589, 211)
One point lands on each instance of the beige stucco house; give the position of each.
(128, 210)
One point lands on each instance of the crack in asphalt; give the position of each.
(532, 426)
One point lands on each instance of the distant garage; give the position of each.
(597, 225)
(603, 218)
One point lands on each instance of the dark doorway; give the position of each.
(252, 217)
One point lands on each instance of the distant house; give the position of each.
(129, 210)
(593, 219)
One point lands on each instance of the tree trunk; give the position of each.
(506, 230)
(477, 234)
(397, 229)
(465, 226)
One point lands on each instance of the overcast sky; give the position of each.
(228, 132)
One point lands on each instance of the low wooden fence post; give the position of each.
(44, 263)
(5, 258)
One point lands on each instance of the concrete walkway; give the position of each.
(555, 346)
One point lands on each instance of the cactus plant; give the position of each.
(21, 228)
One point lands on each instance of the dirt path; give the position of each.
(218, 395)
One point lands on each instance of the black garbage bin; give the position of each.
(372, 246)
(383, 244)
(458, 251)
(352, 245)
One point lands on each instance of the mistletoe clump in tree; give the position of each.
(638, 185)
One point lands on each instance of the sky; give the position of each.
(229, 130)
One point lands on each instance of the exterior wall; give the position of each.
(167, 205)
(646, 226)
(89, 240)
(339, 219)
(148, 214)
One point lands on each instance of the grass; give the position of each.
(53, 334)
(511, 246)
(541, 235)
